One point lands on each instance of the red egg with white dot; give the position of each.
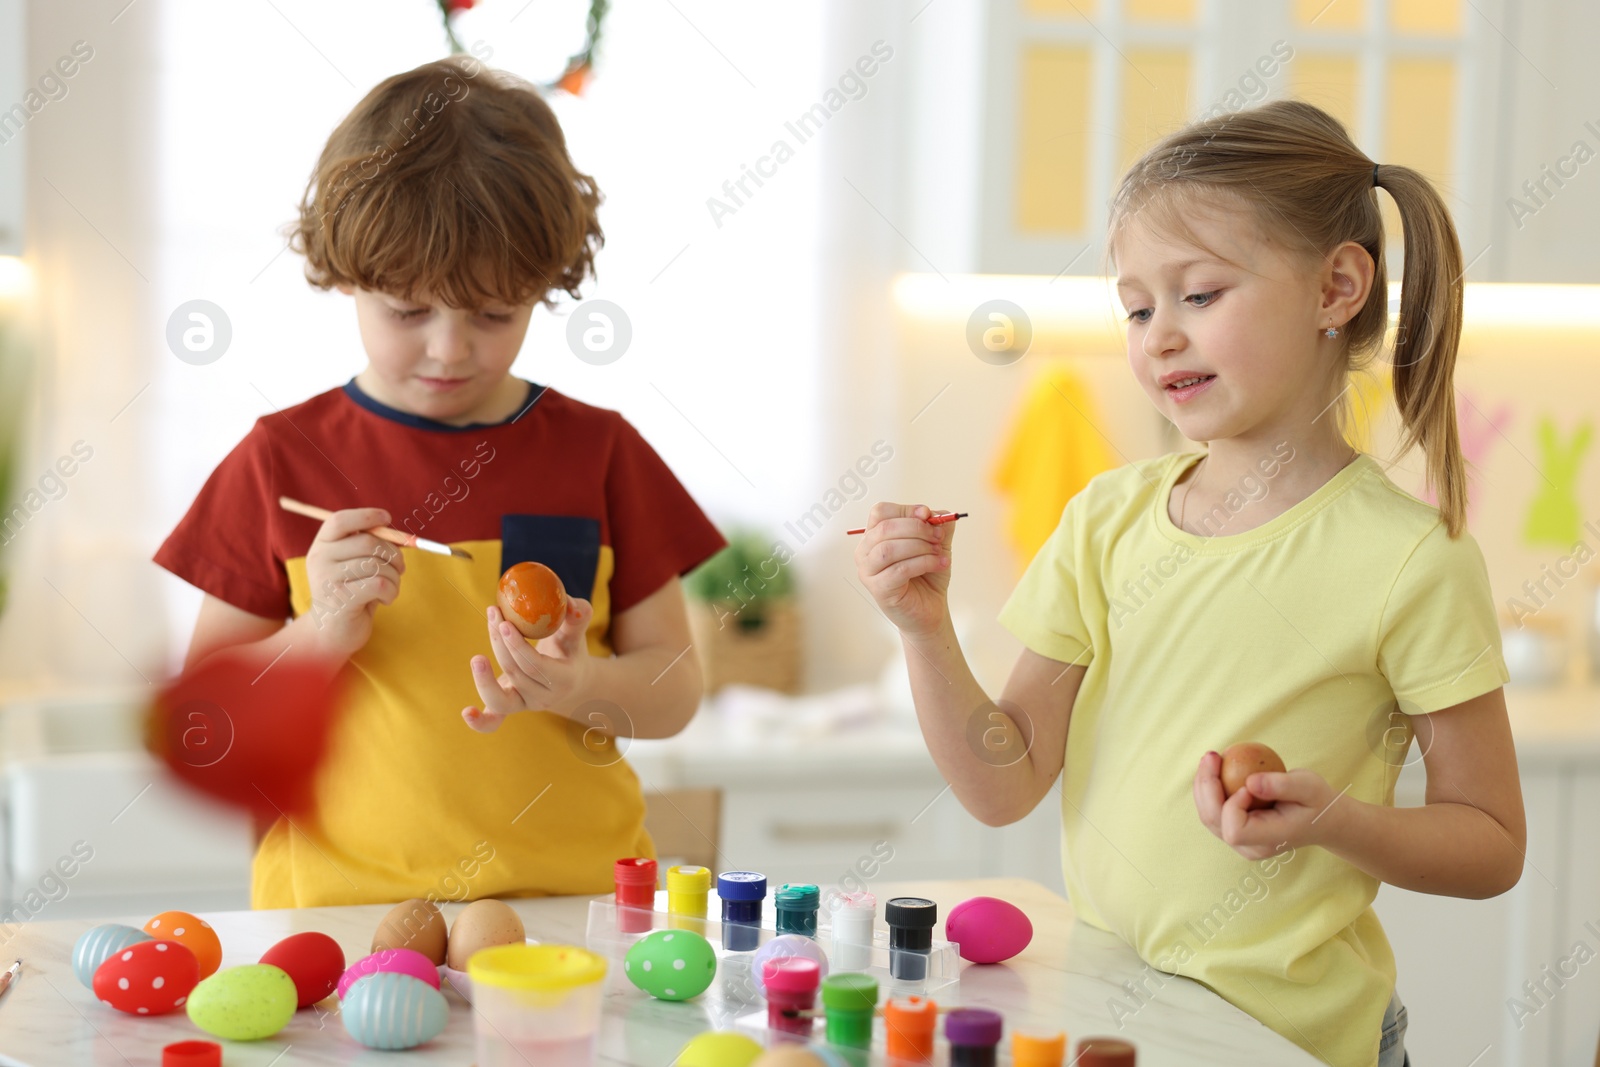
(194, 933)
(149, 978)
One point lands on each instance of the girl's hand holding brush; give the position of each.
(904, 561)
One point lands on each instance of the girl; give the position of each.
(1276, 587)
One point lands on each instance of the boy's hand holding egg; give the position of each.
(549, 675)
(1248, 800)
(350, 573)
(904, 561)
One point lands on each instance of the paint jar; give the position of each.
(848, 1003)
(908, 1028)
(911, 921)
(536, 1004)
(1104, 1052)
(853, 916)
(688, 886)
(1038, 1049)
(742, 893)
(974, 1036)
(796, 907)
(791, 983)
(636, 893)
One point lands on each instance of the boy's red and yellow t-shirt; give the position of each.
(411, 801)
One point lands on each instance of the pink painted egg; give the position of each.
(988, 929)
(148, 978)
(395, 960)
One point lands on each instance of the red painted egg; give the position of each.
(148, 978)
(314, 961)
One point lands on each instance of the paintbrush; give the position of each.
(9, 976)
(937, 520)
(385, 533)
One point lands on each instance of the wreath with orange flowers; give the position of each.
(580, 65)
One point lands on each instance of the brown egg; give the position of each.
(414, 924)
(788, 1056)
(532, 599)
(482, 924)
(1240, 761)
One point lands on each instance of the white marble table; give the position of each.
(1064, 980)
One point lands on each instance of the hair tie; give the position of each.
(1374, 175)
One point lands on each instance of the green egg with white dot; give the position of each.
(671, 964)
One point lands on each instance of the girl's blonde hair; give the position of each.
(1309, 187)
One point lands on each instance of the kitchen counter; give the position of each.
(1064, 979)
(1555, 725)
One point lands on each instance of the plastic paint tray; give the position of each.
(606, 936)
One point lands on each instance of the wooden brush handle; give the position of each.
(311, 511)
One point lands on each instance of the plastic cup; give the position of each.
(536, 1004)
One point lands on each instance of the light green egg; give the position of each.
(671, 964)
(245, 1003)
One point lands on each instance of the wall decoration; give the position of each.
(1554, 518)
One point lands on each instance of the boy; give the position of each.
(445, 204)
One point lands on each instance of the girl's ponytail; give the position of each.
(1427, 337)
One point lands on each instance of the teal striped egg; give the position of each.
(100, 944)
(389, 1010)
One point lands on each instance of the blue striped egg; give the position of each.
(389, 1010)
(100, 944)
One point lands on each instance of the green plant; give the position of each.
(745, 578)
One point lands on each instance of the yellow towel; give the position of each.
(1053, 451)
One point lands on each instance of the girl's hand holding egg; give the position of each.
(1249, 801)
(549, 675)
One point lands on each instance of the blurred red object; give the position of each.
(246, 730)
(459, 5)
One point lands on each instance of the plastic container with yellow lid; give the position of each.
(536, 1004)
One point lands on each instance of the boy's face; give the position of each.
(442, 363)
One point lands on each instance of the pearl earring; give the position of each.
(1331, 332)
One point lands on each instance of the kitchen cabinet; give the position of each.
(1515, 981)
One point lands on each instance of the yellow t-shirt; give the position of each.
(1318, 633)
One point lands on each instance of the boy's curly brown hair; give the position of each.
(452, 180)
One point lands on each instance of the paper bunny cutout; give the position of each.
(1554, 517)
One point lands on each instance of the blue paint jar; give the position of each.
(742, 893)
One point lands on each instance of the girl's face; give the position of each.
(442, 363)
(1252, 335)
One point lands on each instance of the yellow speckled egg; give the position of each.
(245, 1003)
(482, 924)
(718, 1048)
(415, 924)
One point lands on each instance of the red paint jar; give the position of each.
(636, 894)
